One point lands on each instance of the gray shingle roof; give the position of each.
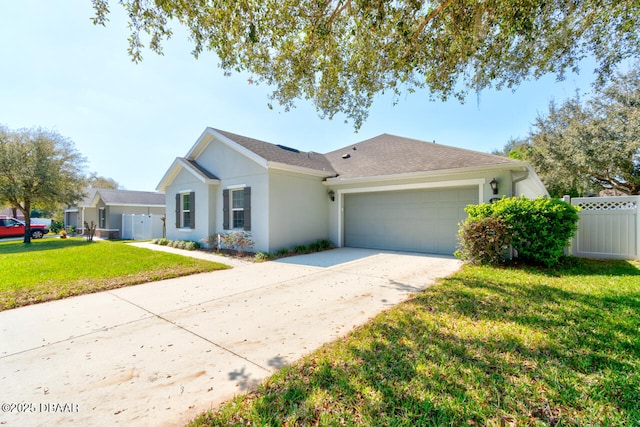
(390, 155)
(124, 197)
(205, 173)
(281, 154)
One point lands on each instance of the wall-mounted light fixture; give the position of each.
(332, 195)
(494, 185)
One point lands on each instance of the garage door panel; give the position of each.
(412, 220)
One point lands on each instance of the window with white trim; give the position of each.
(102, 218)
(185, 210)
(237, 208)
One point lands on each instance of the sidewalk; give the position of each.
(209, 256)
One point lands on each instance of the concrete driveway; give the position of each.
(163, 352)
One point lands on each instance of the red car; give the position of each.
(11, 227)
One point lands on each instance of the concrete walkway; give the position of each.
(161, 353)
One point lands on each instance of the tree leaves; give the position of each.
(340, 53)
(580, 147)
(38, 168)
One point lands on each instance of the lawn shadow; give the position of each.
(573, 266)
(15, 247)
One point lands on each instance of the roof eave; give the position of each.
(518, 166)
(136, 205)
(300, 169)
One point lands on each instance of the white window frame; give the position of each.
(102, 217)
(183, 224)
(232, 209)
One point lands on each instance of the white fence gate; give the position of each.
(609, 227)
(142, 227)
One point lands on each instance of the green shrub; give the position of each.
(162, 242)
(56, 226)
(262, 256)
(325, 244)
(191, 246)
(301, 249)
(540, 228)
(484, 240)
(315, 247)
(282, 252)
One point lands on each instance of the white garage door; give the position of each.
(411, 220)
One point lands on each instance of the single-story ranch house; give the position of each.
(387, 192)
(105, 207)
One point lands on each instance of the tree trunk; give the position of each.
(27, 221)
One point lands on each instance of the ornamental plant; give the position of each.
(539, 229)
(239, 241)
(485, 240)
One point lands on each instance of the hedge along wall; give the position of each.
(538, 229)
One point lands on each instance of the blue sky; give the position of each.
(130, 121)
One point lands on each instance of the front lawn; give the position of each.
(50, 269)
(488, 346)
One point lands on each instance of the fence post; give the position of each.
(568, 250)
(638, 228)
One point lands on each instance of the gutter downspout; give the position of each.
(82, 223)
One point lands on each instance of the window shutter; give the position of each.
(178, 210)
(192, 209)
(225, 209)
(247, 208)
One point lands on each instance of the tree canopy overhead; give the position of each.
(340, 53)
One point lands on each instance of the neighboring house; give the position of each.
(105, 208)
(9, 212)
(387, 192)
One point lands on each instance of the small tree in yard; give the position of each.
(538, 230)
(38, 168)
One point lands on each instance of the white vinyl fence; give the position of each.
(141, 227)
(609, 227)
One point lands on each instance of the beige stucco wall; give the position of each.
(236, 170)
(287, 208)
(87, 215)
(298, 213)
(187, 182)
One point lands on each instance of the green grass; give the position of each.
(487, 346)
(50, 269)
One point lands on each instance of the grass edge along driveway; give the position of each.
(51, 269)
(485, 347)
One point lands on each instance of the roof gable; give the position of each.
(191, 166)
(264, 153)
(392, 155)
